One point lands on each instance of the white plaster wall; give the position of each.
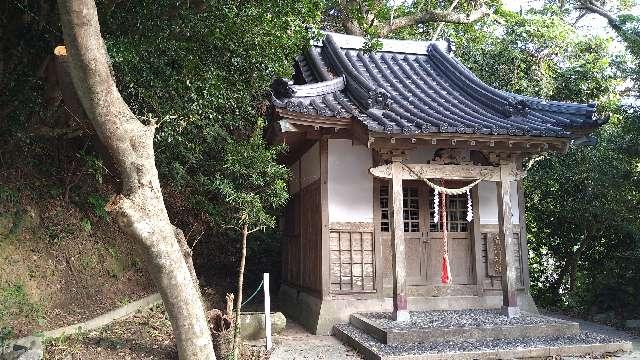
(350, 186)
(488, 196)
(310, 163)
(294, 178)
(421, 155)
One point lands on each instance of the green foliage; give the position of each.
(539, 54)
(212, 62)
(29, 30)
(94, 166)
(86, 224)
(88, 262)
(98, 205)
(587, 196)
(250, 184)
(628, 28)
(6, 333)
(371, 16)
(15, 302)
(59, 231)
(584, 205)
(8, 195)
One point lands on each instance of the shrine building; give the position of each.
(405, 181)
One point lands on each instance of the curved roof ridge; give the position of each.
(317, 65)
(388, 45)
(319, 88)
(482, 92)
(343, 66)
(535, 103)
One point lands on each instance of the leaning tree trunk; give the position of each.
(243, 256)
(139, 209)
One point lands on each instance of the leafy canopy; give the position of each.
(200, 69)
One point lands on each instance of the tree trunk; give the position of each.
(570, 268)
(139, 209)
(557, 284)
(236, 334)
(187, 254)
(574, 265)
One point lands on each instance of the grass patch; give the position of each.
(15, 303)
(116, 263)
(6, 332)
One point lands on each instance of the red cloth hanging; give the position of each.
(446, 279)
(446, 271)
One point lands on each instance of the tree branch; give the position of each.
(591, 7)
(256, 229)
(441, 24)
(350, 26)
(435, 16)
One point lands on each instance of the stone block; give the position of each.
(252, 327)
(29, 348)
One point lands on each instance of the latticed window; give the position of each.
(410, 209)
(456, 213)
(352, 261)
(384, 208)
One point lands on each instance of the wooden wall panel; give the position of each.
(352, 258)
(291, 243)
(311, 238)
(301, 255)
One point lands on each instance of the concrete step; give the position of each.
(436, 326)
(583, 343)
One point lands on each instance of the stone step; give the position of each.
(435, 326)
(583, 343)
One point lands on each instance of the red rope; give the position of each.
(446, 273)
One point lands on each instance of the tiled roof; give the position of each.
(417, 87)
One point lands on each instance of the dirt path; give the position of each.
(296, 343)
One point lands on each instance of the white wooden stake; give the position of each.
(267, 311)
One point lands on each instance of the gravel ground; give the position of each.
(457, 318)
(584, 338)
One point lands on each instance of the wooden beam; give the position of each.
(324, 218)
(477, 240)
(398, 260)
(377, 237)
(505, 229)
(518, 140)
(458, 172)
(524, 248)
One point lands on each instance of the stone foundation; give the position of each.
(319, 316)
(444, 325)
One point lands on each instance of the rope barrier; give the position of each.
(442, 189)
(254, 294)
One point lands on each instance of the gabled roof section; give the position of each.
(417, 87)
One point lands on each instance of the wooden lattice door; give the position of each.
(415, 211)
(460, 244)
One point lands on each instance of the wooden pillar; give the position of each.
(524, 248)
(509, 275)
(400, 311)
(325, 264)
(477, 241)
